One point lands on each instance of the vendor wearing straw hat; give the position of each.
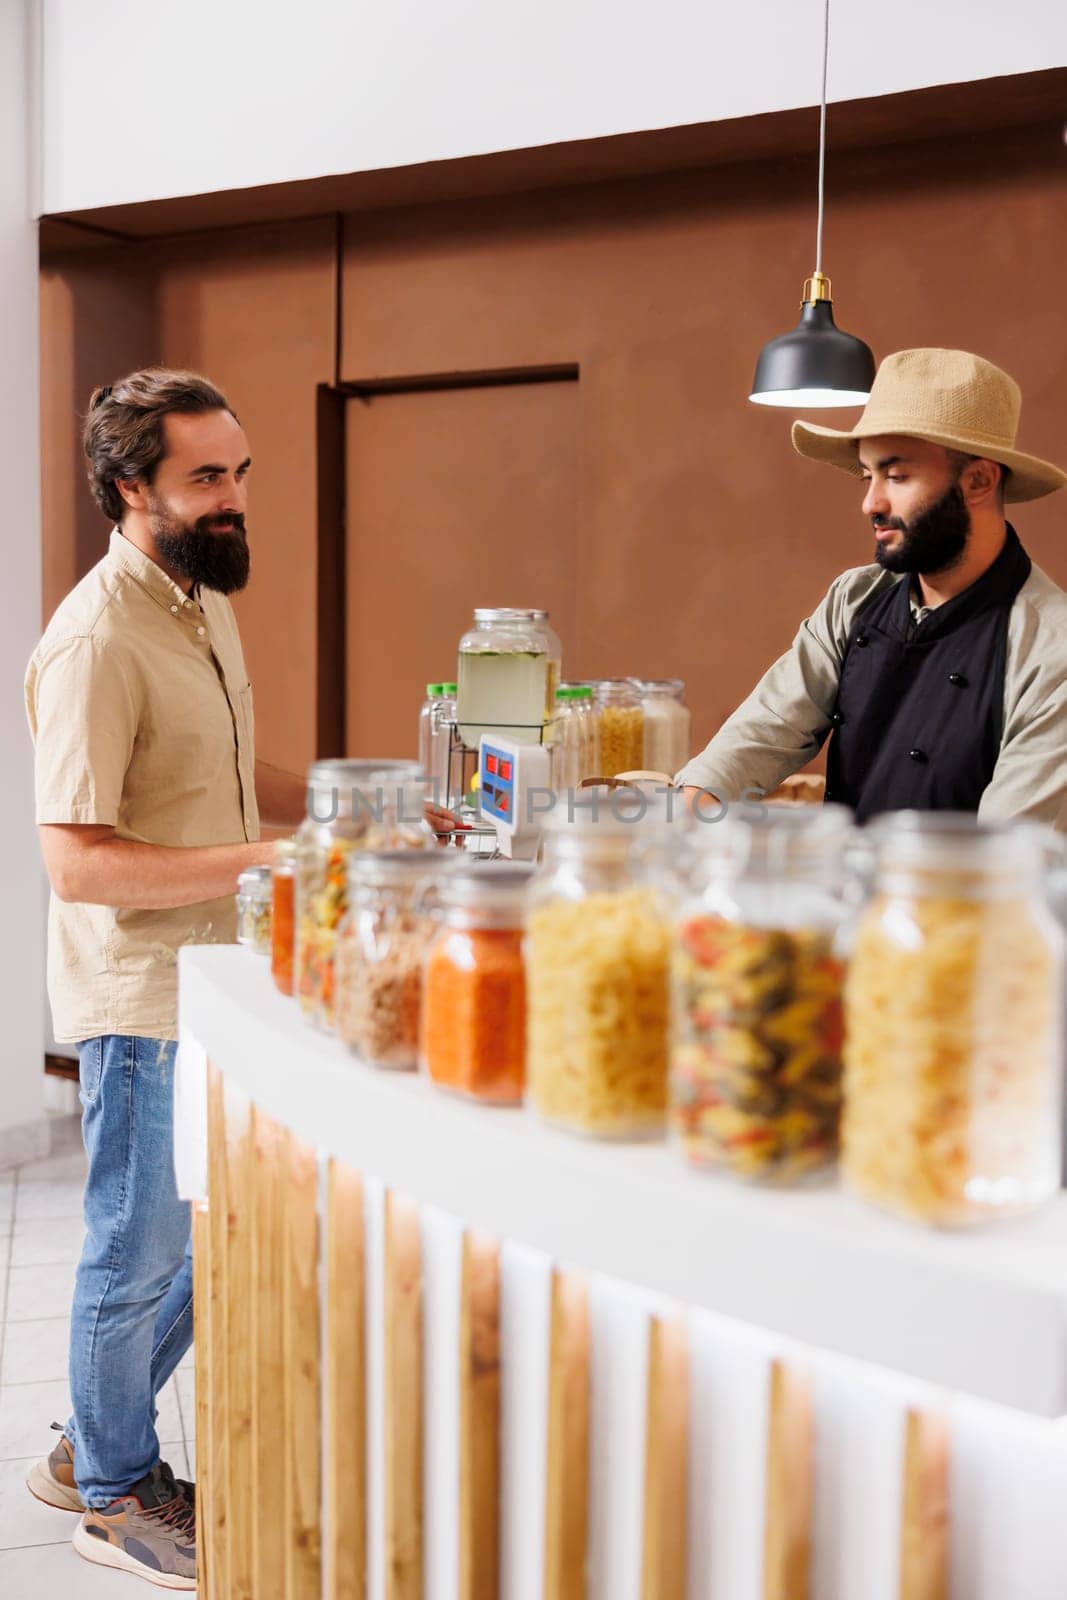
(940, 671)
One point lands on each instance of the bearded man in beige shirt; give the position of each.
(148, 797)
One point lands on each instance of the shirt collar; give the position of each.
(150, 575)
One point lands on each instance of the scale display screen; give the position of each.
(498, 783)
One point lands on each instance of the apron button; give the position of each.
(918, 755)
(957, 680)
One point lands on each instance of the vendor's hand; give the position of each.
(442, 820)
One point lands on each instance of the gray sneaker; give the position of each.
(52, 1478)
(151, 1530)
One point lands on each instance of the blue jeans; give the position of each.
(132, 1318)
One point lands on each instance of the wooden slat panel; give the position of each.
(787, 1528)
(479, 1400)
(216, 1525)
(346, 1395)
(403, 1400)
(269, 1178)
(202, 1347)
(303, 1421)
(666, 1460)
(567, 1467)
(240, 1350)
(924, 1522)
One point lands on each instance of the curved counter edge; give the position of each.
(984, 1313)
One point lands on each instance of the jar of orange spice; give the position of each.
(474, 992)
(282, 925)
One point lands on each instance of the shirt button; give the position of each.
(174, 609)
(957, 680)
(187, 602)
(201, 631)
(919, 756)
(862, 640)
(838, 718)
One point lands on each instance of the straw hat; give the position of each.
(950, 398)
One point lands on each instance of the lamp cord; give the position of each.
(822, 134)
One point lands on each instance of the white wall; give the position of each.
(21, 922)
(145, 101)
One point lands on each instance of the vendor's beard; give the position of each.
(215, 560)
(933, 541)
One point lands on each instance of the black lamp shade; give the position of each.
(815, 365)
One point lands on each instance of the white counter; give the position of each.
(983, 1313)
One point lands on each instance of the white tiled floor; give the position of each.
(40, 1239)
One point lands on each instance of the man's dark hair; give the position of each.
(123, 432)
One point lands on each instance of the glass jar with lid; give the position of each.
(621, 725)
(381, 949)
(756, 1058)
(953, 1060)
(509, 667)
(667, 724)
(253, 909)
(598, 965)
(352, 805)
(283, 914)
(541, 622)
(474, 1011)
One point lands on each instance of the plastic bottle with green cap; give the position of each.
(433, 695)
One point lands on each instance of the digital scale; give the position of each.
(509, 771)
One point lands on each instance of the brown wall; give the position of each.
(702, 539)
(697, 538)
(254, 308)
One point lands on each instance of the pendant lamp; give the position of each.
(816, 364)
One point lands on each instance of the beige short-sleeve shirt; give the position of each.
(141, 714)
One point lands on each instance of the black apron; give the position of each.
(919, 712)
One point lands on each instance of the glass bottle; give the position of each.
(283, 914)
(621, 727)
(598, 965)
(352, 805)
(253, 909)
(509, 667)
(442, 726)
(381, 949)
(953, 1060)
(756, 1067)
(427, 711)
(564, 736)
(667, 724)
(474, 1012)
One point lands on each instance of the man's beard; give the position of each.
(217, 561)
(933, 541)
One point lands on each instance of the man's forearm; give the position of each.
(155, 877)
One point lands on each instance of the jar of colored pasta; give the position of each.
(953, 1060)
(352, 805)
(598, 966)
(381, 950)
(283, 887)
(474, 986)
(756, 1058)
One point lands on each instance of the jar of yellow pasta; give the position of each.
(954, 1018)
(756, 1064)
(621, 726)
(598, 976)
